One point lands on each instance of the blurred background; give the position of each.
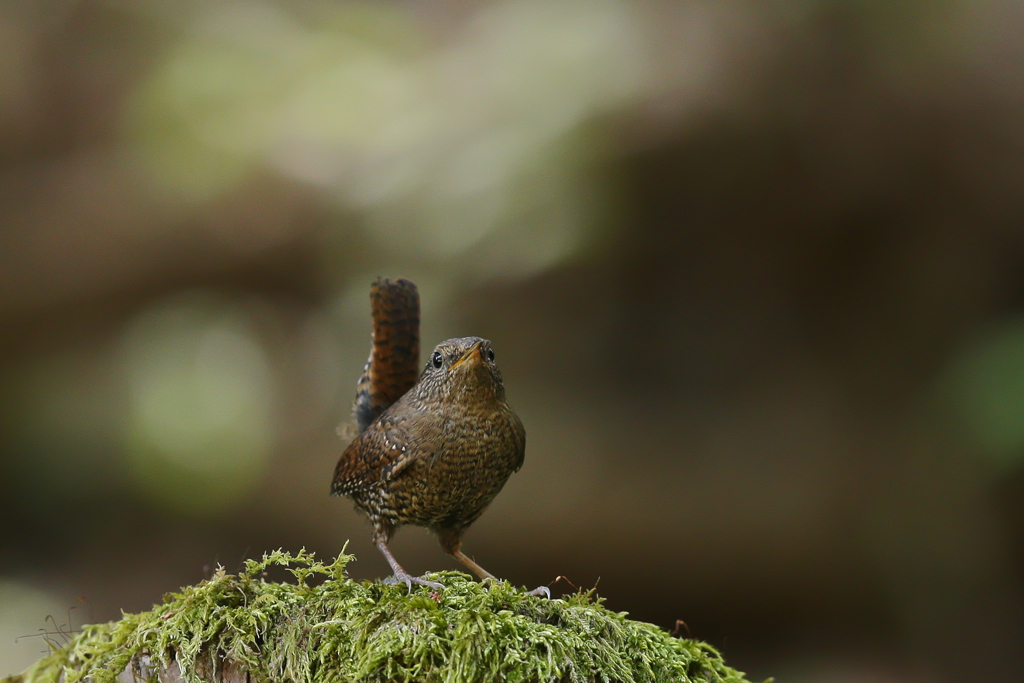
(754, 273)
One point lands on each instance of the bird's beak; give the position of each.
(475, 348)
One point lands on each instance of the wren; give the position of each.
(433, 451)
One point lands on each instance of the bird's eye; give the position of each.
(490, 355)
(436, 359)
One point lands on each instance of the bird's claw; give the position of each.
(409, 580)
(539, 592)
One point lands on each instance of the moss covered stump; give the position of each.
(327, 627)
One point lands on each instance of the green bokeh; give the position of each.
(200, 429)
(987, 387)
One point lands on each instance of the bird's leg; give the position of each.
(474, 567)
(451, 541)
(402, 576)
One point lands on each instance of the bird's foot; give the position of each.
(409, 580)
(539, 592)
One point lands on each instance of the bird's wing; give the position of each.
(382, 452)
(393, 366)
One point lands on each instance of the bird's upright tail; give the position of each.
(393, 366)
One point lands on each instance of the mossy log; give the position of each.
(327, 627)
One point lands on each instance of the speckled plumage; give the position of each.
(440, 453)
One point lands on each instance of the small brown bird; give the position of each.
(432, 452)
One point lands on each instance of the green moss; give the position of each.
(327, 627)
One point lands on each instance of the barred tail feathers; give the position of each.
(393, 366)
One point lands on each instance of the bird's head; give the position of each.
(462, 366)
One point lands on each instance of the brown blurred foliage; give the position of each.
(754, 273)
